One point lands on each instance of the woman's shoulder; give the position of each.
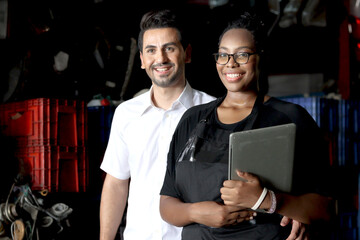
(201, 111)
(284, 106)
(295, 112)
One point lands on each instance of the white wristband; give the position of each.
(261, 199)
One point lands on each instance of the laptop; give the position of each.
(266, 152)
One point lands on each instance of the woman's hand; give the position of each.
(241, 193)
(216, 215)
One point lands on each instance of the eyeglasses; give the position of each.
(239, 58)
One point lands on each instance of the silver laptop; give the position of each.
(267, 152)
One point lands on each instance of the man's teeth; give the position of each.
(161, 69)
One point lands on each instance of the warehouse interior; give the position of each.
(77, 60)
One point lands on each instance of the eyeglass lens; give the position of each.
(240, 58)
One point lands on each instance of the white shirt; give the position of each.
(137, 149)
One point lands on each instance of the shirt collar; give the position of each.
(185, 99)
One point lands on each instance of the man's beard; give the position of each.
(168, 80)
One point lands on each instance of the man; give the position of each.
(141, 131)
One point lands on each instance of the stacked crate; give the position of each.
(51, 137)
(99, 125)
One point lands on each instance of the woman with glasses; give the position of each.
(196, 193)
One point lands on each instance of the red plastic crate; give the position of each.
(48, 133)
(83, 166)
(36, 161)
(27, 121)
(57, 169)
(44, 121)
(63, 122)
(82, 119)
(64, 170)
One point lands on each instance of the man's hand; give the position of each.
(298, 229)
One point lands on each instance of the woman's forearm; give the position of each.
(174, 211)
(209, 213)
(307, 208)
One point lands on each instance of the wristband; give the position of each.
(273, 203)
(261, 199)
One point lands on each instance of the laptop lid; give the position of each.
(266, 152)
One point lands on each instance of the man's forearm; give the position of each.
(112, 206)
(307, 208)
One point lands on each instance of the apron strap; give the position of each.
(201, 126)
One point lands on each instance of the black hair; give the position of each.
(254, 24)
(164, 18)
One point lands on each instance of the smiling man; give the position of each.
(163, 57)
(141, 131)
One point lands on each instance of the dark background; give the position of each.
(39, 29)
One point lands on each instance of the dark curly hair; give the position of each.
(164, 18)
(252, 23)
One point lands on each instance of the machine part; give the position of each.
(61, 60)
(8, 212)
(274, 7)
(290, 13)
(61, 210)
(18, 230)
(217, 3)
(2, 230)
(12, 81)
(355, 8)
(30, 225)
(46, 221)
(314, 14)
(44, 192)
(133, 51)
(2, 217)
(31, 210)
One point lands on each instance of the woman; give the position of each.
(197, 195)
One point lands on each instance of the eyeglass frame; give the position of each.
(232, 55)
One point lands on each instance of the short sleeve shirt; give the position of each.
(137, 149)
(201, 180)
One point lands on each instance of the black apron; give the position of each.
(201, 169)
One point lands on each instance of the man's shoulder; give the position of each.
(135, 104)
(199, 111)
(204, 106)
(201, 97)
